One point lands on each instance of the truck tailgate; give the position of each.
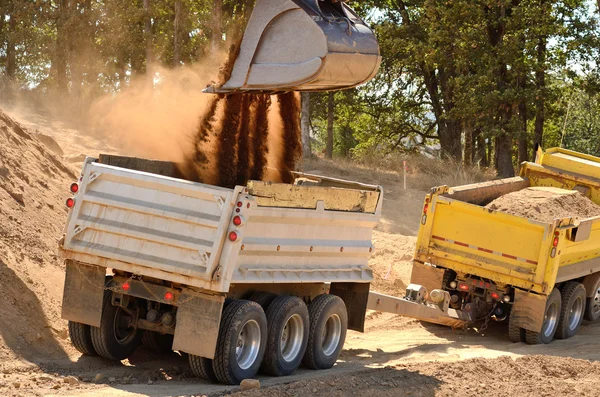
(475, 240)
(140, 222)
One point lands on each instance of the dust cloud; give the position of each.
(157, 118)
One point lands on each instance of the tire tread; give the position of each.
(81, 338)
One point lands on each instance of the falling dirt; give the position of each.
(545, 204)
(260, 133)
(289, 110)
(242, 135)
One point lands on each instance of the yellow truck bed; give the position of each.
(460, 234)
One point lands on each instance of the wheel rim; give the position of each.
(122, 329)
(596, 303)
(332, 333)
(248, 344)
(550, 320)
(291, 338)
(575, 313)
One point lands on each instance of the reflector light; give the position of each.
(237, 220)
(463, 287)
(495, 296)
(555, 242)
(74, 187)
(168, 296)
(125, 286)
(70, 203)
(233, 236)
(239, 204)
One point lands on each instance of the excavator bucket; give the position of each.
(302, 45)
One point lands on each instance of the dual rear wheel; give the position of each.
(564, 312)
(275, 341)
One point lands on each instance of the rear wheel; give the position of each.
(550, 325)
(241, 343)
(328, 325)
(202, 368)
(572, 309)
(116, 338)
(81, 338)
(516, 334)
(288, 325)
(264, 299)
(592, 307)
(160, 343)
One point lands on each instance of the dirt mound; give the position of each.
(545, 204)
(524, 376)
(33, 186)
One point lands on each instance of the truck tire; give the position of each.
(572, 309)
(202, 368)
(81, 338)
(264, 299)
(241, 343)
(160, 343)
(288, 325)
(592, 305)
(516, 334)
(112, 340)
(550, 325)
(327, 334)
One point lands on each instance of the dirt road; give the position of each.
(396, 356)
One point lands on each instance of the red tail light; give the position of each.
(555, 242)
(70, 203)
(495, 296)
(237, 220)
(463, 287)
(233, 236)
(168, 296)
(239, 203)
(74, 187)
(125, 286)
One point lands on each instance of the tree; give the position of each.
(305, 125)
(330, 117)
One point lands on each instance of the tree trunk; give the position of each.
(60, 60)
(523, 144)
(540, 82)
(11, 53)
(305, 124)
(468, 157)
(504, 164)
(148, 36)
(330, 114)
(481, 152)
(216, 36)
(177, 33)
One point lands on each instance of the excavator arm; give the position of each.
(302, 45)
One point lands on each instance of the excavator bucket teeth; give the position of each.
(302, 45)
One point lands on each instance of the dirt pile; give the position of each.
(524, 376)
(33, 186)
(545, 204)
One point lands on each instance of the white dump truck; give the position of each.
(267, 274)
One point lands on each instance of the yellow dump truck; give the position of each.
(543, 278)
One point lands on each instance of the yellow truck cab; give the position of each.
(543, 278)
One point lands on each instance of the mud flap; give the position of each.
(528, 310)
(197, 329)
(83, 294)
(355, 296)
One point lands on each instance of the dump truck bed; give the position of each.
(180, 231)
(460, 234)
